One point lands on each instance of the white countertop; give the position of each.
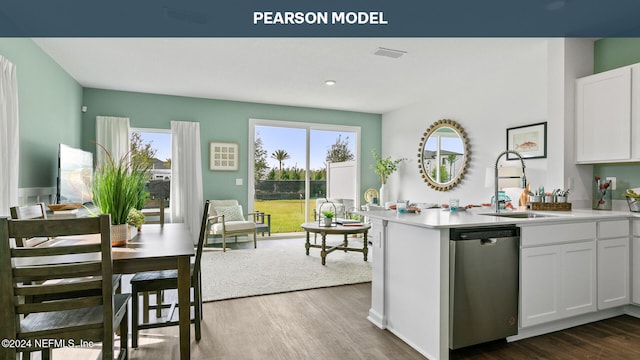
(439, 218)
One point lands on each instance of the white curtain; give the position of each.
(186, 175)
(112, 133)
(9, 141)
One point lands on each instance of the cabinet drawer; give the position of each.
(613, 229)
(557, 234)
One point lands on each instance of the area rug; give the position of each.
(271, 270)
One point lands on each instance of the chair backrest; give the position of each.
(230, 208)
(154, 207)
(221, 203)
(83, 265)
(35, 211)
(203, 235)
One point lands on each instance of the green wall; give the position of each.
(610, 54)
(49, 102)
(222, 120)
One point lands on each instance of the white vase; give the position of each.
(327, 221)
(383, 195)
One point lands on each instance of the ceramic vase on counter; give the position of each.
(383, 194)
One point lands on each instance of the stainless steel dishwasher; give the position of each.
(484, 267)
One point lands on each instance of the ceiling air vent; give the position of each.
(389, 52)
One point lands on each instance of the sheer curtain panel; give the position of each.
(112, 133)
(9, 141)
(186, 175)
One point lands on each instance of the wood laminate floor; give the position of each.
(331, 324)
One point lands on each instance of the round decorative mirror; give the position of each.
(443, 155)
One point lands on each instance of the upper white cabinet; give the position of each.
(606, 119)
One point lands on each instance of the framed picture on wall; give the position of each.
(223, 156)
(529, 140)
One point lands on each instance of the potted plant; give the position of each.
(384, 168)
(328, 217)
(135, 218)
(118, 186)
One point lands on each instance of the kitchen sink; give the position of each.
(519, 215)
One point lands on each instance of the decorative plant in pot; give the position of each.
(118, 187)
(135, 218)
(328, 217)
(384, 168)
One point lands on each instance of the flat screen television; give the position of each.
(75, 173)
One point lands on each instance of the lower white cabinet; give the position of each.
(613, 272)
(635, 261)
(635, 271)
(557, 281)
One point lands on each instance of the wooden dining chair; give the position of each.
(167, 280)
(35, 211)
(153, 211)
(37, 271)
(38, 211)
(154, 208)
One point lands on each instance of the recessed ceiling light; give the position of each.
(330, 82)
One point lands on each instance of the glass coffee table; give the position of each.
(346, 230)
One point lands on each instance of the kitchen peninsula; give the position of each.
(575, 268)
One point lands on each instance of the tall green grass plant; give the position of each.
(119, 186)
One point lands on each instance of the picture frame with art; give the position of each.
(528, 140)
(223, 156)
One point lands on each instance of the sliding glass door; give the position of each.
(291, 169)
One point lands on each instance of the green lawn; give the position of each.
(286, 215)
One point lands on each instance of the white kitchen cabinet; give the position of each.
(557, 281)
(635, 268)
(635, 262)
(606, 116)
(613, 272)
(613, 263)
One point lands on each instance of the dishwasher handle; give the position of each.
(489, 241)
(484, 233)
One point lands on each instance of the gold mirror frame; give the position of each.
(426, 177)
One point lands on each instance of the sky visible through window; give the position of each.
(292, 140)
(159, 140)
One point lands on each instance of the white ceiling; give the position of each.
(284, 71)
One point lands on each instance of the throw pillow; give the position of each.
(231, 213)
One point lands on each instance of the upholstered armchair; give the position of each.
(227, 219)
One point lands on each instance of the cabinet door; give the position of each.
(540, 285)
(613, 272)
(578, 274)
(603, 117)
(636, 268)
(558, 281)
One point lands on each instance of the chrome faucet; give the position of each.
(524, 178)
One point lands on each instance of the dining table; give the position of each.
(155, 247)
